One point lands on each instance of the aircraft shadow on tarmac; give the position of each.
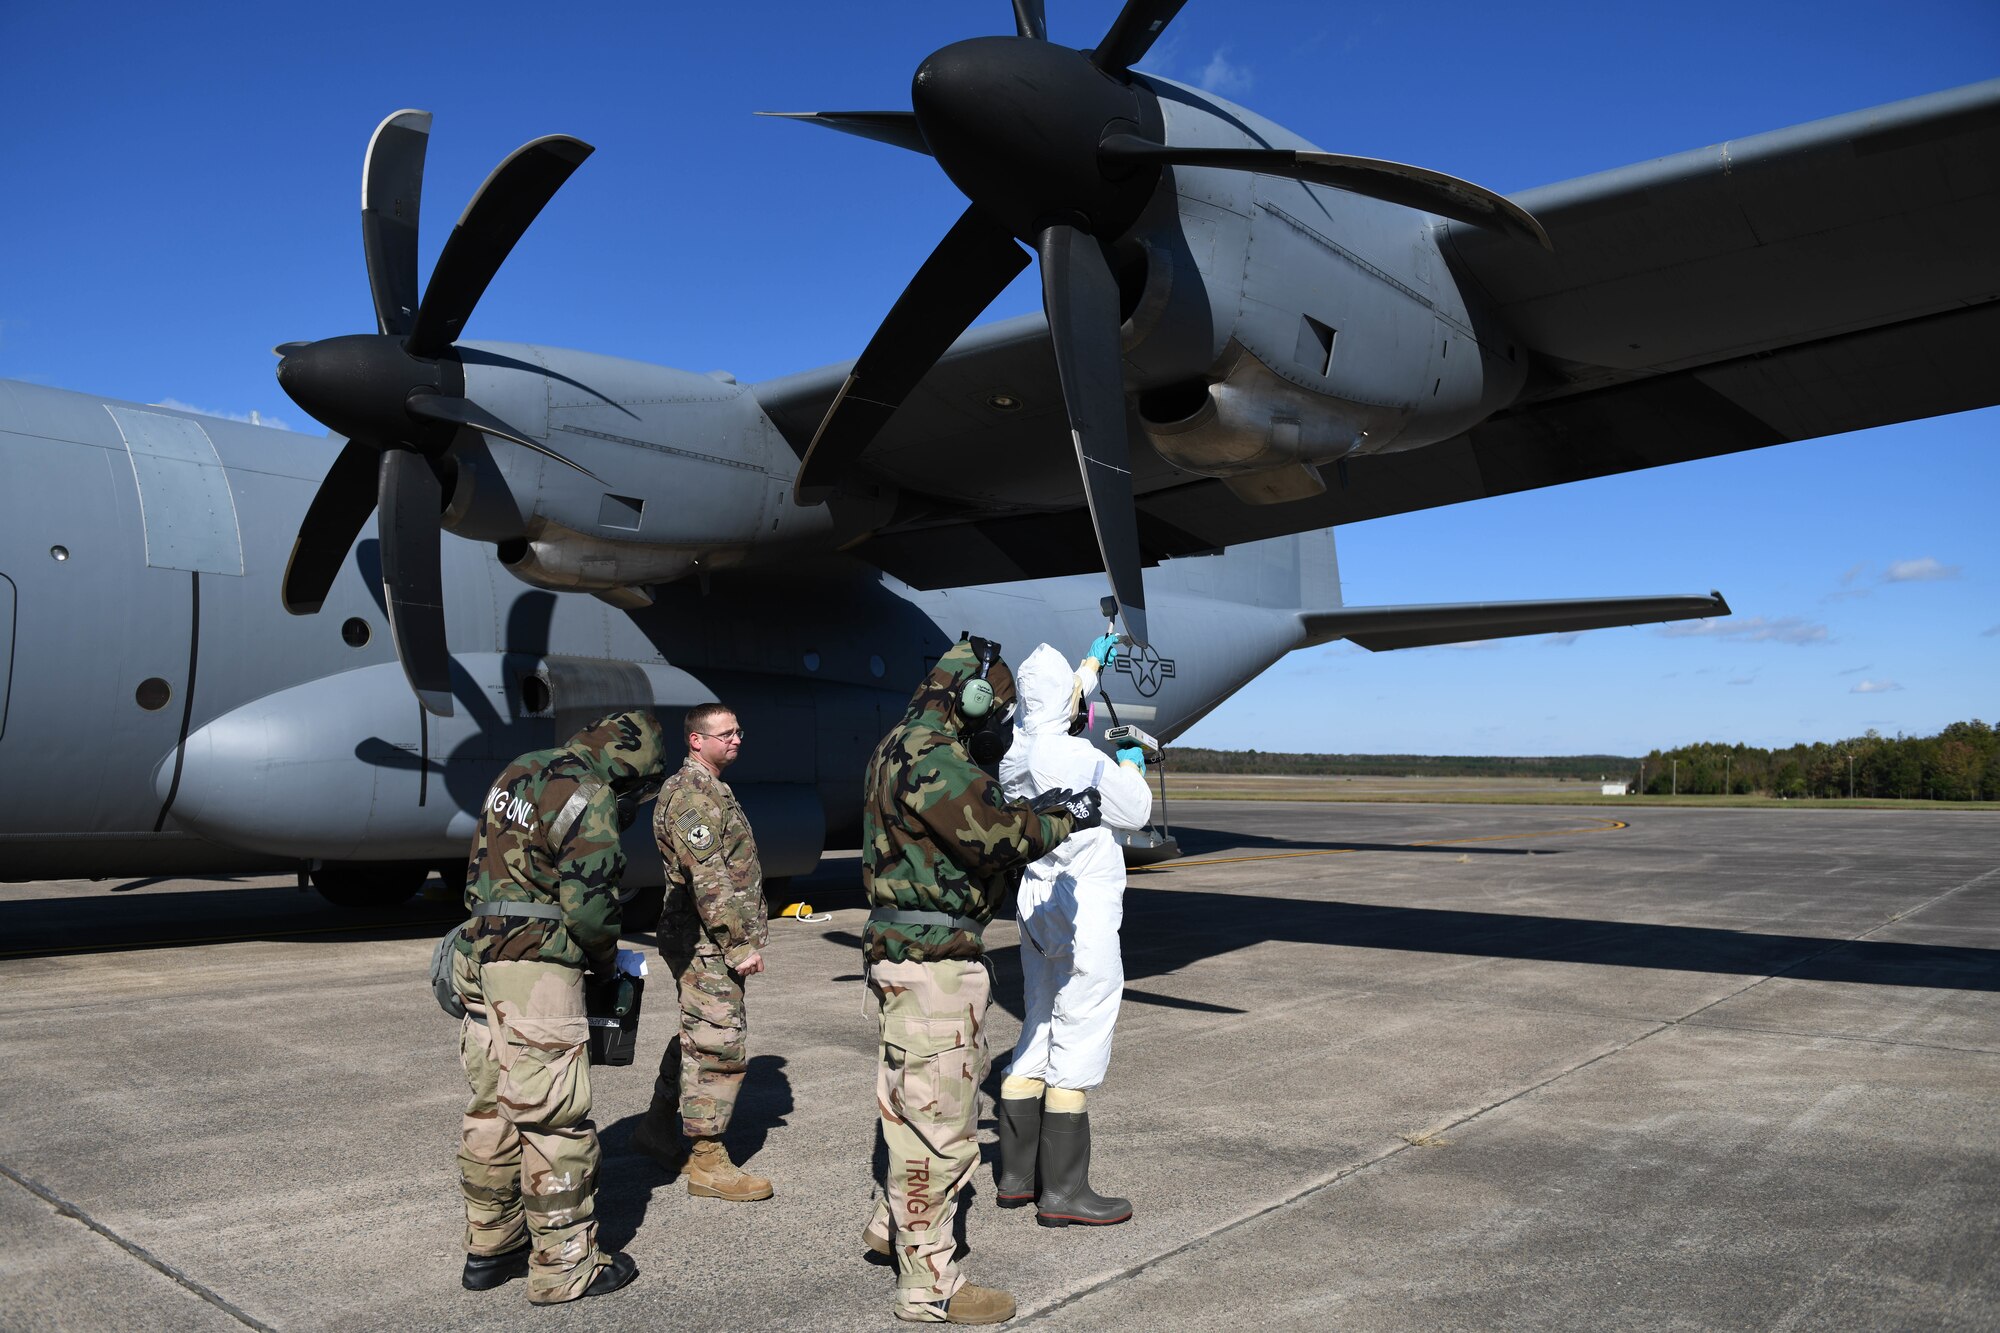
(1196, 841)
(38, 927)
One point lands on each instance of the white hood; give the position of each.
(1046, 684)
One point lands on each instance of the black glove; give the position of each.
(1086, 810)
(1057, 799)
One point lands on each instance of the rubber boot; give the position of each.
(711, 1175)
(970, 1304)
(1020, 1123)
(483, 1272)
(1065, 1164)
(658, 1134)
(610, 1277)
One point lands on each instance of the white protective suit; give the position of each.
(1073, 899)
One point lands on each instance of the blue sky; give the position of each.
(183, 189)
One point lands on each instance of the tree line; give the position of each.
(1584, 767)
(1960, 763)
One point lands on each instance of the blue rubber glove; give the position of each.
(1133, 755)
(1104, 648)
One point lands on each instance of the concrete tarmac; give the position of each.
(1379, 1067)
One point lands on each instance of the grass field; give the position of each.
(1493, 791)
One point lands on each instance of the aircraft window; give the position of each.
(153, 694)
(877, 667)
(812, 661)
(355, 632)
(61, 553)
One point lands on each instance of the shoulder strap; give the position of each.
(572, 810)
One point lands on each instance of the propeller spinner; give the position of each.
(1051, 147)
(398, 394)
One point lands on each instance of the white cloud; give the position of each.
(1752, 629)
(1855, 671)
(1992, 633)
(1852, 574)
(253, 418)
(1225, 77)
(1875, 687)
(1924, 569)
(1742, 680)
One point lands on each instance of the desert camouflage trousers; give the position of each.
(527, 1154)
(932, 1056)
(708, 1059)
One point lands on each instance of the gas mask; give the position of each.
(633, 793)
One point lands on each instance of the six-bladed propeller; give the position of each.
(398, 394)
(1052, 147)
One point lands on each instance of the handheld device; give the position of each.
(1127, 734)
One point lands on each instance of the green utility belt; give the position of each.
(891, 916)
(540, 911)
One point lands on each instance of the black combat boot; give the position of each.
(1065, 1166)
(1020, 1121)
(610, 1277)
(483, 1272)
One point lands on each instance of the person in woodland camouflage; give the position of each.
(939, 846)
(542, 888)
(712, 935)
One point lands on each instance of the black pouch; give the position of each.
(612, 1004)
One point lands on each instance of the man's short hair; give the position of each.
(701, 715)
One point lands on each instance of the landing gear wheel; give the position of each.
(369, 883)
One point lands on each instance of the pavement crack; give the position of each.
(145, 1256)
(1326, 1182)
(1405, 1145)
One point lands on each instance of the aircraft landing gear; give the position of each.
(369, 883)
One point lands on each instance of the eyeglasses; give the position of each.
(733, 734)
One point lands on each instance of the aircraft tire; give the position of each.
(369, 883)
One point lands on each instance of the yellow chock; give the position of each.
(804, 912)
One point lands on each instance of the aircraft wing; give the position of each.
(1381, 628)
(1825, 278)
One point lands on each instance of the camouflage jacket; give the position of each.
(936, 833)
(715, 888)
(513, 861)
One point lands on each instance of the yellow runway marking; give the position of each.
(1596, 826)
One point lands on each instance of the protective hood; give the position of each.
(1048, 691)
(622, 746)
(935, 704)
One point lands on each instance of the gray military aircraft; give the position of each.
(1246, 342)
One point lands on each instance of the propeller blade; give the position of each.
(1081, 298)
(898, 129)
(340, 507)
(1030, 20)
(971, 265)
(283, 350)
(392, 188)
(1133, 33)
(412, 576)
(1392, 182)
(462, 412)
(486, 233)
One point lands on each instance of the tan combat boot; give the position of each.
(711, 1175)
(970, 1304)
